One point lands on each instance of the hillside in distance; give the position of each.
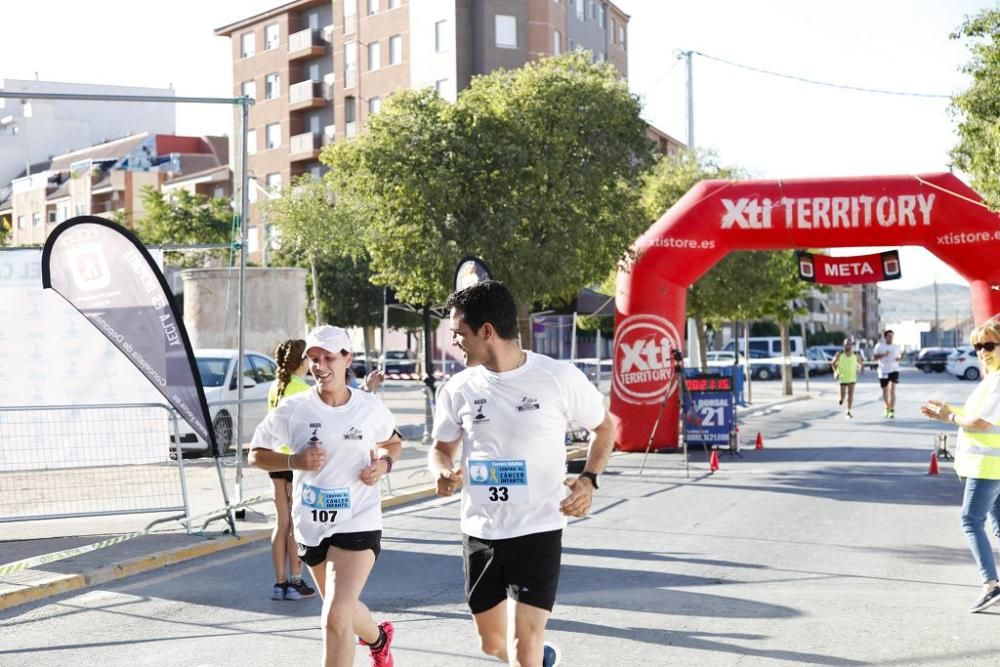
(919, 303)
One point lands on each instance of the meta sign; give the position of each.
(827, 270)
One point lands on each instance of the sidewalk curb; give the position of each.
(754, 409)
(126, 568)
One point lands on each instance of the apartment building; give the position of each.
(107, 180)
(317, 69)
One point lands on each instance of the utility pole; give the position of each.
(692, 329)
(937, 319)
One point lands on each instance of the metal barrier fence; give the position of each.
(64, 461)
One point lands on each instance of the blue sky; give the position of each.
(775, 128)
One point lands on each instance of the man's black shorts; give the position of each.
(893, 378)
(281, 474)
(525, 568)
(369, 539)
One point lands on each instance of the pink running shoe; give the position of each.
(382, 657)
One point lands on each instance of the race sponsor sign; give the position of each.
(643, 372)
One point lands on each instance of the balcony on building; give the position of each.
(305, 44)
(305, 146)
(305, 95)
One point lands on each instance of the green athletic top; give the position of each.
(847, 368)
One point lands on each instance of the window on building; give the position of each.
(506, 31)
(393, 4)
(272, 36)
(273, 182)
(248, 45)
(350, 110)
(22, 222)
(602, 14)
(556, 42)
(249, 89)
(252, 192)
(600, 56)
(251, 142)
(593, 10)
(274, 135)
(621, 35)
(350, 64)
(614, 31)
(52, 216)
(579, 10)
(439, 36)
(374, 105)
(36, 219)
(312, 20)
(374, 56)
(395, 49)
(372, 7)
(81, 209)
(62, 211)
(439, 86)
(272, 86)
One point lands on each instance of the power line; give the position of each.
(814, 82)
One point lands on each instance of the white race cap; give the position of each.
(330, 338)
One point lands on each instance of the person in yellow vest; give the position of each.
(846, 366)
(977, 459)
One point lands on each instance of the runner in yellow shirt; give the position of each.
(846, 366)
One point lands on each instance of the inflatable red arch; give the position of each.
(936, 211)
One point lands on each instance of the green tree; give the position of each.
(186, 218)
(536, 170)
(721, 293)
(978, 108)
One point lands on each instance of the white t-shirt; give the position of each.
(332, 499)
(513, 430)
(889, 363)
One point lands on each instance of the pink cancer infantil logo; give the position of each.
(643, 370)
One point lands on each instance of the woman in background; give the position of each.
(977, 458)
(292, 369)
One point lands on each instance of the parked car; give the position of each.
(933, 359)
(819, 361)
(963, 363)
(396, 361)
(758, 370)
(216, 370)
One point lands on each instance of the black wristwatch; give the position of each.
(592, 476)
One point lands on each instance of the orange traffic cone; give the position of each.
(760, 441)
(713, 461)
(934, 466)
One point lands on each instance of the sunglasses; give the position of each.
(989, 347)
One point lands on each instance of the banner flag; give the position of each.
(469, 271)
(827, 270)
(105, 273)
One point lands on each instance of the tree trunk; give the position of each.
(369, 336)
(524, 325)
(786, 368)
(699, 324)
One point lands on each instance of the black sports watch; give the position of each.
(592, 476)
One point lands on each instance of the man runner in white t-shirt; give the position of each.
(888, 356)
(508, 413)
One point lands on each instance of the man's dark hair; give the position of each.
(488, 301)
(888, 331)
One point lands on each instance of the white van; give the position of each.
(771, 345)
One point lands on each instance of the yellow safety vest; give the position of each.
(978, 454)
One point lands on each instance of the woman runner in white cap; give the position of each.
(343, 442)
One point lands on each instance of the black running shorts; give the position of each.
(893, 378)
(281, 474)
(369, 539)
(524, 568)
